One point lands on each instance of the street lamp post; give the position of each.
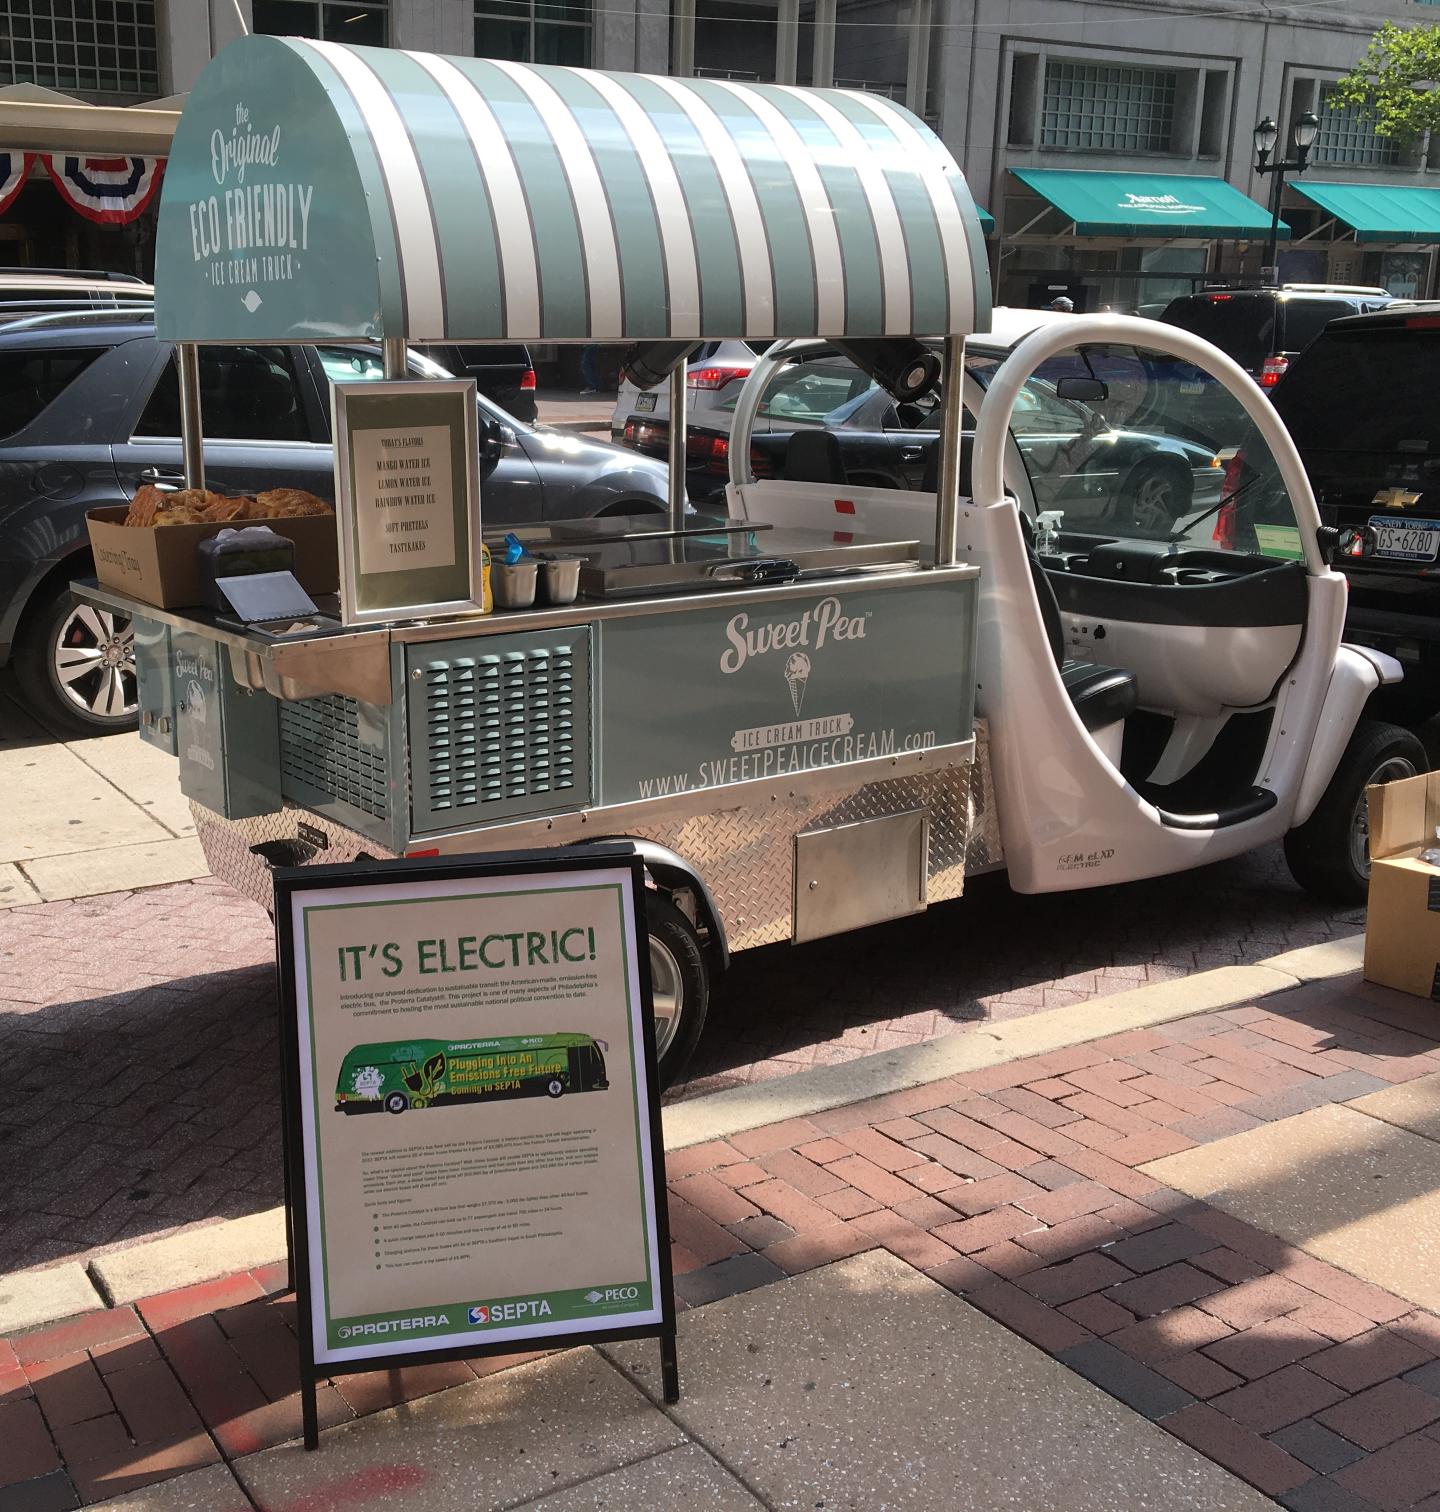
(1266, 134)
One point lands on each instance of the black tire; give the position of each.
(1329, 855)
(677, 960)
(100, 700)
(396, 1102)
(1153, 497)
(554, 1087)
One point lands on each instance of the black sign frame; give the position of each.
(291, 880)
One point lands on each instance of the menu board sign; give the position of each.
(472, 1111)
(407, 496)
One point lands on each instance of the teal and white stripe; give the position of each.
(511, 201)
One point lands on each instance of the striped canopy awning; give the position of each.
(320, 191)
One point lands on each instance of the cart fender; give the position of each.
(670, 870)
(1357, 673)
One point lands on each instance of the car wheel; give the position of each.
(554, 1087)
(1152, 499)
(680, 985)
(396, 1102)
(1329, 855)
(76, 664)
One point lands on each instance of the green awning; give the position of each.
(1379, 212)
(316, 191)
(987, 221)
(1149, 204)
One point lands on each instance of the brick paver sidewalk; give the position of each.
(1016, 1187)
(162, 1006)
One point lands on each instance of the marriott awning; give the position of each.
(1379, 212)
(1148, 204)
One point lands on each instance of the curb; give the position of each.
(36, 1298)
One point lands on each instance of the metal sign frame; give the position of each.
(293, 881)
(456, 407)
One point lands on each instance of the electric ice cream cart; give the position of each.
(778, 708)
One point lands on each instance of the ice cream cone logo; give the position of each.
(797, 674)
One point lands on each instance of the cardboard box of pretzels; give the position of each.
(149, 550)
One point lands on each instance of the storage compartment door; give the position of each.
(859, 874)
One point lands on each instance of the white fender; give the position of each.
(1358, 672)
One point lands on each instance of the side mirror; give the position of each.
(1086, 390)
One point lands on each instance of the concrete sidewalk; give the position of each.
(1185, 1264)
(86, 816)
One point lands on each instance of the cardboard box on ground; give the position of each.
(1402, 929)
(161, 566)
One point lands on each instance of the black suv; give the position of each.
(1265, 329)
(90, 410)
(1360, 404)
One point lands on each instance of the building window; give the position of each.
(1347, 136)
(1106, 108)
(534, 31)
(91, 46)
(364, 22)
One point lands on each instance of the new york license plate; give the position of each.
(1407, 541)
(645, 403)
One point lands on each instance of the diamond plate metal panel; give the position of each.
(745, 855)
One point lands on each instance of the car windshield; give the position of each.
(1364, 391)
(809, 392)
(1142, 449)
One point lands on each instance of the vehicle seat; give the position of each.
(813, 456)
(1104, 697)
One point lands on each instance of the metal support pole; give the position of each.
(678, 406)
(947, 502)
(396, 356)
(192, 452)
(1272, 247)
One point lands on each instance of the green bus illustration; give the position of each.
(437, 1073)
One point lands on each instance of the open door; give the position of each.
(1155, 668)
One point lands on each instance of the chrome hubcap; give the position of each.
(1393, 770)
(1154, 503)
(669, 992)
(94, 663)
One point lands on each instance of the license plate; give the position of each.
(645, 403)
(1414, 541)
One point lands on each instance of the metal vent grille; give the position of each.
(321, 750)
(500, 731)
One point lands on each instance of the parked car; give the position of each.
(32, 291)
(714, 374)
(1265, 329)
(503, 372)
(90, 410)
(1097, 471)
(1360, 404)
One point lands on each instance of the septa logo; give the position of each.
(479, 1314)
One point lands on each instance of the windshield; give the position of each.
(1364, 391)
(807, 392)
(1144, 447)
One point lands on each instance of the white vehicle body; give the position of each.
(1069, 817)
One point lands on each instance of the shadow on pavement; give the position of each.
(128, 1115)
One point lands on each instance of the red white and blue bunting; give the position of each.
(14, 168)
(110, 190)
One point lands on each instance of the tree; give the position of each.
(1394, 83)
